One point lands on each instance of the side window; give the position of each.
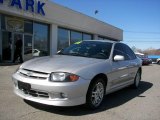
(119, 49)
(129, 52)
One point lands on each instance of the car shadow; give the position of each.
(110, 101)
(147, 65)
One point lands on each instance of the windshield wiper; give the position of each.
(72, 54)
(76, 54)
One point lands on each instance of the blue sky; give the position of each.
(140, 19)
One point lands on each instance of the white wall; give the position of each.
(61, 16)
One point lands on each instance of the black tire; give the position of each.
(158, 62)
(95, 93)
(137, 79)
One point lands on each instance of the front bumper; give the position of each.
(52, 93)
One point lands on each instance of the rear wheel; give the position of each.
(158, 62)
(137, 79)
(95, 93)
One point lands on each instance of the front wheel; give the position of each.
(95, 93)
(137, 79)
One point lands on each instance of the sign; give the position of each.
(13, 24)
(29, 5)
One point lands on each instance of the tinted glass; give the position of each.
(3, 22)
(6, 45)
(75, 36)
(0, 21)
(91, 49)
(41, 39)
(28, 27)
(63, 38)
(27, 47)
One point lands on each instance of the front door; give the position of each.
(7, 45)
(17, 46)
(26, 45)
(119, 73)
(10, 44)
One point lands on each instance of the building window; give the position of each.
(41, 38)
(75, 37)
(100, 38)
(87, 36)
(28, 27)
(0, 22)
(67, 37)
(0, 41)
(103, 38)
(63, 38)
(3, 22)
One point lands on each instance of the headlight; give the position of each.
(63, 77)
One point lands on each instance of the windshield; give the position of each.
(91, 49)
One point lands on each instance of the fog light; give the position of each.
(58, 95)
(63, 95)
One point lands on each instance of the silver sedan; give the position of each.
(80, 74)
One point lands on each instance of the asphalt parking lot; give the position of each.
(126, 104)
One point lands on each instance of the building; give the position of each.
(45, 27)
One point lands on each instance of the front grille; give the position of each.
(33, 74)
(35, 93)
(26, 89)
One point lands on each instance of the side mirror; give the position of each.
(118, 58)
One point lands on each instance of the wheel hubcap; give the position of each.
(97, 94)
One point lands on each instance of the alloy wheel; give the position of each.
(97, 94)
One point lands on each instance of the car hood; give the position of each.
(59, 63)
